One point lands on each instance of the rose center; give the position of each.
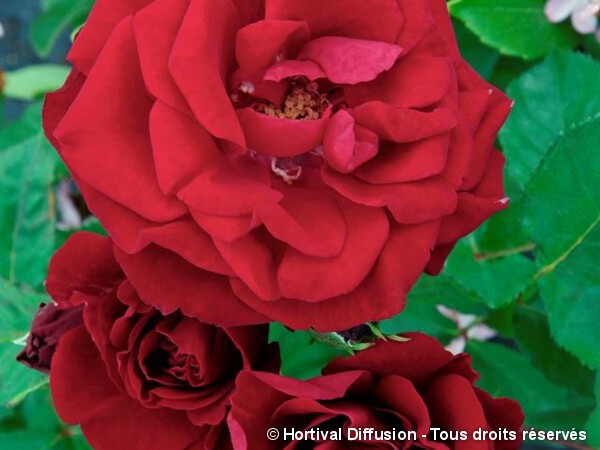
(302, 102)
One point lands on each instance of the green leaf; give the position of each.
(514, 27)
(480, 56)
(33, 425)
(301, 356)
(16, 380)
(17, 308)
(497, 279)
(563, 201)
(57, 17)
(549, 100)
(506, 373)
(593, 424)
(534, 338)
(504, 231)
(32, 82)
(421, 314)
(27, 210)
(563, 220)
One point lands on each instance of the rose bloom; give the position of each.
(48, 325)
(132, 377)
(410, 386)
(315, 156)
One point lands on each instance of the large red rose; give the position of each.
(132, 377)
(318, 155)
(413, 386)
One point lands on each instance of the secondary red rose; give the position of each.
(413, 386)
(318, 154)
(132, 377)
(49, 324)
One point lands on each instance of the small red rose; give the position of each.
(135, 378)
(318, 155)
(411, 387)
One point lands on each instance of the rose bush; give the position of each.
(312, 157)
(401, 386)
(133, 377)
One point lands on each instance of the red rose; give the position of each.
(49, 324)
(414, 386)
(132, 375)
(312, 154)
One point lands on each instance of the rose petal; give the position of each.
(309, 221)
(377, 20)
(454, 406)
(379, 296)
(276, 137)
(350, 61)
(169, 283)
(292, 68)
(413, 202)
(401, 163)
(84, 395)
(347, 146)
(413, 82)
(199, 69)
(254, 263)
(478, 205)
(259, 44)
(417, 359)
(97, 135)
(311, 279)
(102, 21)
(155, 28)
(84, 264)
(402, 124)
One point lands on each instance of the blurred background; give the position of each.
(521, 295)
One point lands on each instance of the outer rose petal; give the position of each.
(453, 405)
(155, 29)
(102, 21)
(199, 69)
(301, 276)
(76, 268)
(110, 420)
(377, 20)
(97, 135)
(417, 359)
(381, 295)
(167, 282)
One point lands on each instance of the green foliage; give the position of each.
(27, 209)
(514, 27)
(302, 356)
(33, 425)
(531, 273)
(547, 405)
(58, 17)
(549, 100)
(33, 81)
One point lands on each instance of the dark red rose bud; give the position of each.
(48, 325)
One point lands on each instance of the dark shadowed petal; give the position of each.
(84, 395)
(84, 264)
(169, 283)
